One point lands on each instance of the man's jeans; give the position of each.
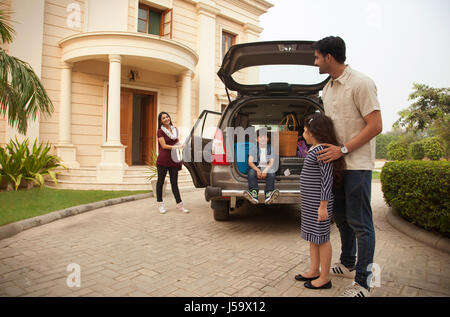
(353, 217)
(253, 181)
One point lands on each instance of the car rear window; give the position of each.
(292, 74)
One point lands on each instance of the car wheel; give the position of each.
(221, 209)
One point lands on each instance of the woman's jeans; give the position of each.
(353, 217)
(252, 177)
(173, 173)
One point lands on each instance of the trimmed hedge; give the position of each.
(416, 151)
(419, 191)
(433, 148)
(397, 150)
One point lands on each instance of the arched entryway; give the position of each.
(128, 141)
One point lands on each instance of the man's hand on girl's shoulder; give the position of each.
(330, 153)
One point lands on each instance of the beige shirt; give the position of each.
(347, 100)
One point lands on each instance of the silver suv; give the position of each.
(216, 151)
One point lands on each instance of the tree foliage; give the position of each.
(430, 106)
(400, 135)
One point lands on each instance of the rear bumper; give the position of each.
(287, 196)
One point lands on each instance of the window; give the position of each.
(292, 74)
(228, 40)
(154, 21)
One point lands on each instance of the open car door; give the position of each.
(197, 149)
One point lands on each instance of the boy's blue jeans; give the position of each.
(353, 217)
(253, 181)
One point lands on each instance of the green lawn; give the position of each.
(23, 204)
(376, 175)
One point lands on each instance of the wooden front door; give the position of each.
(148, 129)
(126, 122)
(138, 126)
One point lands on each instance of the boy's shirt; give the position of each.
(265, 155)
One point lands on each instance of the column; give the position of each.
(112, 165)
(65, 149)
(184, 117)
(113, 133)
(206, 55)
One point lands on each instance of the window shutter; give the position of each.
(154, 22)
(166, 23)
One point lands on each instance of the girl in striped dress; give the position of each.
(316, 185)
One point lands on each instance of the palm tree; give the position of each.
(22, 95)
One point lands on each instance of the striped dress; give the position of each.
(316, 182)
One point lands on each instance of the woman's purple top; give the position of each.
(164, 156)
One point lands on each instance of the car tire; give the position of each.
(221, 209)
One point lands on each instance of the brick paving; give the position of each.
(132, 250)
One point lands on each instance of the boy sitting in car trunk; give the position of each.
(261, 162)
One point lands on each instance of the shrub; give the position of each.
(418, 190)
(433, 148)
(397, 151)
(11, 166)
(19, 164)
(416, 151)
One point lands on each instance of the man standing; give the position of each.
(350, 100)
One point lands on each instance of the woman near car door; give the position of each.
(168, 160)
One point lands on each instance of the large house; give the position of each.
(110, 66)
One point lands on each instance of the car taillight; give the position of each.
(219, 154)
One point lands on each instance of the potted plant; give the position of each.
(152, 173)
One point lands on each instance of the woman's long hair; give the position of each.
(322, 129)
(159, 119)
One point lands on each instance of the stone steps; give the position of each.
(135, 178)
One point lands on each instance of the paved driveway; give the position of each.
(132, 250)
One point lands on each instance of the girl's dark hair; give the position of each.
(159, 119)
(333, 45)
(322, 129)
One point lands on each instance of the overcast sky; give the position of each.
(395, 42)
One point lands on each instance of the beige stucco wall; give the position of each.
(132, 15)
(55, 28)
(185, 30)
(107, 15)
(233, 28)
(88, 94)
